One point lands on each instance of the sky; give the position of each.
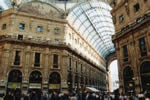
(2, 3)
(114, 74)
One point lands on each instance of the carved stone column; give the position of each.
(46, 70)
(64, 68)
(25, 80)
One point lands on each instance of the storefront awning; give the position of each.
(91, 89)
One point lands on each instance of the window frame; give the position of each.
(57, 31)
(37, 60)
(4, 26)
(21, 26)
(142, 47)
(55, 61)
(125, 53)
(136, 7)
(40, 29)
(121, 18)
(17, 58)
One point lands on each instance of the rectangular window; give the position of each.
(121, 18)
(37, 60)
(76, 66)
(70, 64)
(21, 26)
(125, 53)
(81, 69)
(39, 29)
(17, 58)
(57, 31)
(142, 46)
(20, 37)
(136, 7)
(3, 26)
(55, 61)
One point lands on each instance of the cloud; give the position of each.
(3, 4)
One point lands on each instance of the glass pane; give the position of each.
(94, 22)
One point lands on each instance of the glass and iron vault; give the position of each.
(94, 22)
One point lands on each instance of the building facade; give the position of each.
(132, 43)
(41, 51)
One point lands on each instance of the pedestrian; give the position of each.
(7, 96)
(25, 97)
(36, 97)
(54, 96)
(89, 96)
(45, 96)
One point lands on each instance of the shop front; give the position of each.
(14, 83)
(35, 83)
(54, 82)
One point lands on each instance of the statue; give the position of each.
(15, 3)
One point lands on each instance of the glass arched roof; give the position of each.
(94, 22)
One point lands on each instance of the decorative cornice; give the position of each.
(49, 44)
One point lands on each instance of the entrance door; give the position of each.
(128, 80)
(54, 82)
(145, 76)
(35, 82)
(14, 83)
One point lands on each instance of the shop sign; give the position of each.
(14, 85)
(35, 85)
(54, 86)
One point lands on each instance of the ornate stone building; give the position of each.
(41, 50)
(132, 43)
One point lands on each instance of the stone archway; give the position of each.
(35, 82)
(145, 75)
(112, 76)
(54, 81)
(128, 76)
(110, 58)
(14, 82)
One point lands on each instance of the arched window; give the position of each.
(35, 77)
(15, 76)
(145, 75)
(54, 78)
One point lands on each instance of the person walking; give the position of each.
(25, 97)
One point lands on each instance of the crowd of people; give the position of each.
(72, 96)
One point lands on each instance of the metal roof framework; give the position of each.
(93, 21)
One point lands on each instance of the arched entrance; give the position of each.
(145, 76)
(14, 83)
(54, 82)
(128, 80)
(112, 75)
(35, 82)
